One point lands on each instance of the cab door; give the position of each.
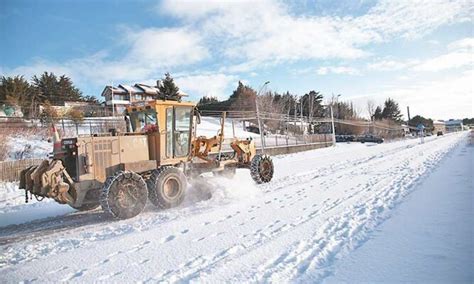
(182, 131)
(178, 131)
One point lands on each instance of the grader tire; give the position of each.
(261, 169)
(124, 195)
(167, 187)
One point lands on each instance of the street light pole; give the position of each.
(260, 128)
(333, 129)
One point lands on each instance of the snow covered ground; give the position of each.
(28, 147)
(321, 208)
(429, 238)
(209, 127)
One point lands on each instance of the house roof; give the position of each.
(453, 122)
(138, 88)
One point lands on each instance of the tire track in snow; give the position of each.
(309, 260)
(263, 235)
(149, 220)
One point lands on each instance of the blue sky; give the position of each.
(419, 53)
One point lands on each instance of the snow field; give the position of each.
(321, 205)
(428, 238)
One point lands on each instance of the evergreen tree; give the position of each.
(243, 98)
(207, 100)
(168, 88)
(56, 90)
(16, 92)
(314, 98)
(467, 121)
(378, 113)
(416, 120)
(391, 110)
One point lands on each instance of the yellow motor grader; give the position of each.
(151, 161)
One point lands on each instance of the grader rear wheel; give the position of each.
(167, 187)
(261, 169)
(124, 195)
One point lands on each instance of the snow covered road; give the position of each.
(321, 205)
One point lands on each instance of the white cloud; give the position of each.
(216, 85)
(413, 19)
(165, 47)
(446, 61)
(265, 31)
(465, 44)
(459, 55)
(391, 65)
(450, 97)
(337, 70)
(245, 36)
(150, 52)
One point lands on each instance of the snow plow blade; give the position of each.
(47, 180)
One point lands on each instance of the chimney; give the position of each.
(408, 110)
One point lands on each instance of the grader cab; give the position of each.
(151, 161)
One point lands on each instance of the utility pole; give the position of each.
(301, 117)
(112, 96)
(311, 109)
(333, 129)
(260, 128)
(296, 105)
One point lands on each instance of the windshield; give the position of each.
(143, 121)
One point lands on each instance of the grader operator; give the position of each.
(151, 161)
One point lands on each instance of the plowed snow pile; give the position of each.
(320, 206)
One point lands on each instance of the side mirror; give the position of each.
(197, 114)
(128, 123)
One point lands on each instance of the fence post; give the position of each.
(90, 127)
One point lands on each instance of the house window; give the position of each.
(118, 97)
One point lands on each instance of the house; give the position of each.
(439, 126)
(405, 129)
(454, 125)
(117, 98)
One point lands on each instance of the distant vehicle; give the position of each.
(371, 138)
(440, 133)
(255, 129)
(345, 138)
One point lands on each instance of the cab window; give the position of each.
(143, 121)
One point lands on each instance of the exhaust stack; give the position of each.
(56, 140)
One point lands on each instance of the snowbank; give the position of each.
(28, 147)
(14, 210)
(210, 126)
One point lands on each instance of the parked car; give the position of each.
(345, 138)
(255, 129)
(371, 138)
(440, 133)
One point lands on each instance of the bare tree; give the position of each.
(371, 108)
